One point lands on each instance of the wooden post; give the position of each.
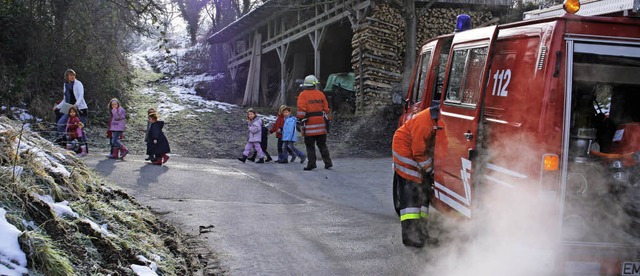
(282, 55)
(252, 89)
(317, 37)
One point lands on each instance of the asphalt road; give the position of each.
(276, 219)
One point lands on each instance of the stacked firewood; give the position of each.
(434, 22)
(378, 47)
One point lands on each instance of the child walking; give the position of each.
(157, 143)
(277, 129)
(255, 136)
(289, 137)
(146, 134)
(117, 124)
(74, 131)
(264, 142)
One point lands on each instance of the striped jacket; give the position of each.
(311, 105)
(411, 144)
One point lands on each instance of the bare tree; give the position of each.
(408, 11)
(190, 10)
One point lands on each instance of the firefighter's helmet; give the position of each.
(309, 81)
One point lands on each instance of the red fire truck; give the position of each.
(551, 106)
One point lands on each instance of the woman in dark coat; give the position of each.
(157, 144)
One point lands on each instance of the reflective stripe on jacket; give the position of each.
(410, 145)
(313, 101)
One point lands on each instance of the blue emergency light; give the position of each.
(463, 23)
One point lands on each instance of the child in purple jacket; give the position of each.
(117, 124)
(255, 136)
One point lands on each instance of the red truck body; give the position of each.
(524, 106)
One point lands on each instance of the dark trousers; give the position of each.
(414, 210)
(280, 142)
(321, 141)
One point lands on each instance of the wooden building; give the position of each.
(284, 40)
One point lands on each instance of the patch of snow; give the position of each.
(149, 263)
(29, 224)
(13, 261)
(143, 270)
(191, 80)
(22, 114)
(18, 170)
(267, 120)
(138, 61)
(50, 163)
(62, 208)
(100, 228)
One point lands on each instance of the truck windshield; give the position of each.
(603, 180)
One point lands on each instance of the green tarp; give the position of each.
(344, 80)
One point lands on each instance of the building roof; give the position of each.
(249, 21)
(273, 8)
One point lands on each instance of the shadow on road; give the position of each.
(149, 173)
(106, 166)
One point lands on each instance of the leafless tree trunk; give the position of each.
(408, 10)
(190, 10)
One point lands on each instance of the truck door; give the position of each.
(460, 111)
(416, 89)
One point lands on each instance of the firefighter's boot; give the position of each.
(412, 234)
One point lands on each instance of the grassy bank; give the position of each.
(72, 222)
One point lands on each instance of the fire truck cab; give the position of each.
(551, 106)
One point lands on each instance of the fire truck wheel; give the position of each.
(396, 197)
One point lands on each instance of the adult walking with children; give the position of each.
(73, 93)
(313, 111)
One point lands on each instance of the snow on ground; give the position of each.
(13, 261)
(149, 270)
(62, 208)
(50, 163)
(182, 87)
(22, 114)
(189, 97)
(166, 107)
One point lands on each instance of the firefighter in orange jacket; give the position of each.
(413, 164)
(313, 110)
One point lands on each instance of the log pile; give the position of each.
(434, 22)
(378, 47)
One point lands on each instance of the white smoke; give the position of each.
(512, 235)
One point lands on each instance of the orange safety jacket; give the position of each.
(410, 146)
(311, 105)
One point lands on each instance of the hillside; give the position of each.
(57, 217)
